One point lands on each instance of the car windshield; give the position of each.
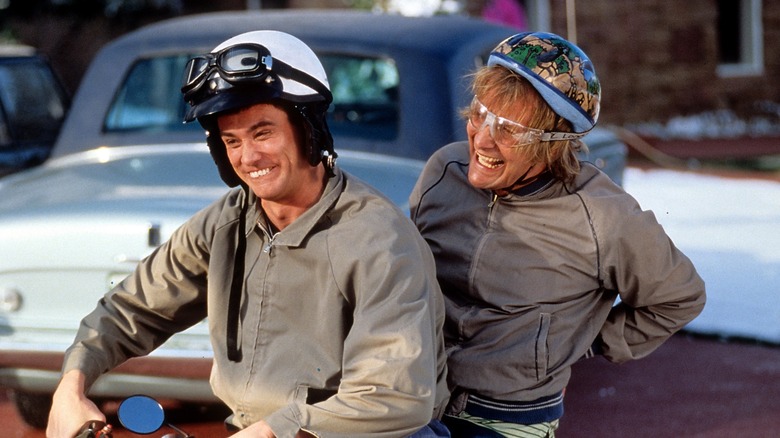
(365, 97)
(33, 105)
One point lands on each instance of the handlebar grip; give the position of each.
(95, 429)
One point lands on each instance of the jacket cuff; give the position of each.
(77, 358)
(596, 348)
(284, 422)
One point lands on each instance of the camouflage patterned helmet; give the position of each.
(559, 70)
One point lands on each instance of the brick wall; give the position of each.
(657, 59)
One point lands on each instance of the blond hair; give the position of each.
(507, 90)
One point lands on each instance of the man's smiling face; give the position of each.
(265, 151)
(491, 166)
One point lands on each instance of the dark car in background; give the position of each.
(125, 172)
(33, 105)
(397, 81)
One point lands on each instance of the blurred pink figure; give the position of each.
(509, 12)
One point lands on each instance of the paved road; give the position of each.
(690, 387)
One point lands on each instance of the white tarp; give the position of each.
(730, 229)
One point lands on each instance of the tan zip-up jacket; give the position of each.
(530, 280)
(341, 315)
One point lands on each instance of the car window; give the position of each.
(33, 105)
(365, 97)
(149, 98)
(5, 136)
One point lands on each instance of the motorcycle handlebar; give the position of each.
(95, 429)
(139, 414)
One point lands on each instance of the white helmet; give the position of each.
(250, 68)
(256, 67)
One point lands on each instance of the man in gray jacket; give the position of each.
(533, 248)
(324, 311)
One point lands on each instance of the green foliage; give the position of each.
(368, 5)
(7, 36)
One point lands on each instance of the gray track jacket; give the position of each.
(530, 281)
(340, 318)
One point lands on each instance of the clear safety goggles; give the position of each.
(508, 133)
(245, 62)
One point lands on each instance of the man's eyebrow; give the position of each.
(259, 124)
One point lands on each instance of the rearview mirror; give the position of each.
(141, 414)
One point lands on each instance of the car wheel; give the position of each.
(32, 407)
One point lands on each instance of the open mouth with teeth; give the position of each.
(489, 162)
(259, 173)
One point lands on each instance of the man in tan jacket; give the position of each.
(323, 307)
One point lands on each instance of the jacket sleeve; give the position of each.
(389, 377)
(164, 295)
(659, 288)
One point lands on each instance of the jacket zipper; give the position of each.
(478, 249)
(266, 230)
(492, 201)
(491, 204)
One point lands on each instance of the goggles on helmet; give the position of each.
(508, 133)
(246, 62)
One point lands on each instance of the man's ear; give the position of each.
(219, 155)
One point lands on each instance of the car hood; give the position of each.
(176, 178)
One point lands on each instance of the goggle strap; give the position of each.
(283, 69)
(558, 136)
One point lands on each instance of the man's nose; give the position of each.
(252, 151)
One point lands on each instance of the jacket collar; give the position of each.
(541, 182)
(295, 233)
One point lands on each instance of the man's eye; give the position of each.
(265, 133)
(506, 131)
(231, 143)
